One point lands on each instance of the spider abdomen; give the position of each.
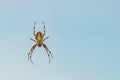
(39, 39)
(39, 43)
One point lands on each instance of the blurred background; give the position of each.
(84, 39)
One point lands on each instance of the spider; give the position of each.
(39, 39)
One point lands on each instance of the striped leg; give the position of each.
(44, 29)
(34, 28)
(30, 53)
(45, 38)
(48, 52)
(32, 40)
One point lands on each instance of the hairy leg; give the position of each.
(33, 40)
(34, 28)
(30, 53)
(44, 29)
(45, 38)
(48, 52)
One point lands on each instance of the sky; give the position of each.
(84, 39)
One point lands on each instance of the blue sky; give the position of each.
(84, 39)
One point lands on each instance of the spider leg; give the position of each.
(33, 40)
(30, 53)
(45, 38)
(34, 28)
(44, 29)
(48, 52)
(47, 49)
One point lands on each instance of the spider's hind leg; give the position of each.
(30, 53)
(48, 52)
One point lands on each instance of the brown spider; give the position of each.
(39, 38)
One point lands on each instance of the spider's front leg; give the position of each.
(30, 53)
(48, 52)
(34, 28)
(44, 29)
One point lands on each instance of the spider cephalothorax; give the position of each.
(39, 38)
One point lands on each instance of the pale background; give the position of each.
(84, 39)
